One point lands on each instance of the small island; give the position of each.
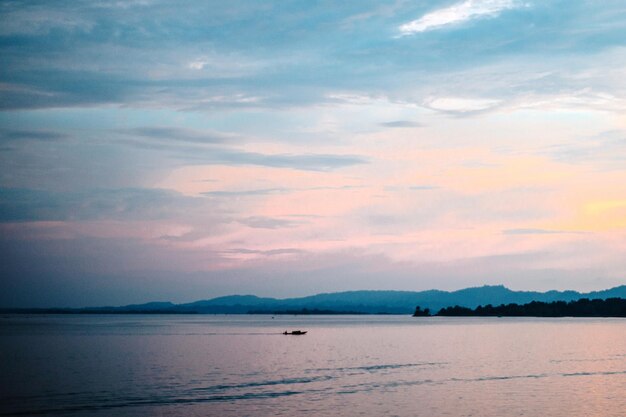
(421, 313)
(611, 307)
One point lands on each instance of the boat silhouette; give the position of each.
(295, 332)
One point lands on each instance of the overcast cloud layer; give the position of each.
(151, 150)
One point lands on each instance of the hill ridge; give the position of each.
(362, 301)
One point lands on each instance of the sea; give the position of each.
(362, 365)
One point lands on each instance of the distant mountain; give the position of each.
(154, 305)
(369, 302)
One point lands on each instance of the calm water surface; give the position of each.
(203, 365)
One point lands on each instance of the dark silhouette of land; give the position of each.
(349, 302)
(421, 313)
(611, 307)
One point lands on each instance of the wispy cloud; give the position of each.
(417, 187)
(24, 205)
(605, 151)
(460, 105)
(271, 252)
(180, 134)
(44, 135)
(273, 191)
(400, 124)
(458, 13)
(245, 193)
(191, 150)
(262, 222)
(423, 187)
(305, 162)
(531, 231)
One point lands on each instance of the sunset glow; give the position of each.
(259, 147)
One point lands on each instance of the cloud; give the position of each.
(180, 134)
(193, 153)
(305, 162)
(270, 252)
(537, 232)
(132, 57)
(227, 155)
(401, 123)
(417, 187)
(273, 191)
(605, 152)
(423, 187)
(460, 105)
(19, 19)
(262, 222)
(23, 205)
(245, 193)
(458, 13)
(43, 135)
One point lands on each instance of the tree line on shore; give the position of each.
(611, 307)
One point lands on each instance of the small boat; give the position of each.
(295, 332)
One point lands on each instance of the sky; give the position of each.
(154, 150)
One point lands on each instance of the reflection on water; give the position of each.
(345, 365)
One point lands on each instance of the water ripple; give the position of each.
(284, 381)
(76, 402)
